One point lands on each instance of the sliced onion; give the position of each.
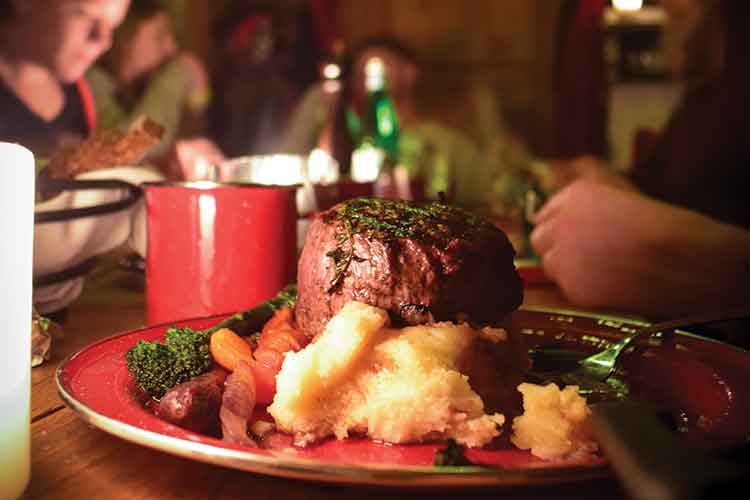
(237, 405)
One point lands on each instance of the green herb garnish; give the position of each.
(386, 220)
(451, 455)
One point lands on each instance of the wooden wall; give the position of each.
(509, 45)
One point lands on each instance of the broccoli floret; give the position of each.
(158, 367)
(152, 366)
(185, 353)
(191, 350)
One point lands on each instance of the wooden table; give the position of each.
(71, 460)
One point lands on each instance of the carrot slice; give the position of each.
(228, 349)
(278, 337)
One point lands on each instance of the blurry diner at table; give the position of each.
(333, 115)
(485, 167)
(46, 50)
(265, 57)
(478, 135)
(50, 107)
(50, 104)
(146, 73)
(674, 236)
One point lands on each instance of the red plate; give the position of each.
(698, 378)
(531, 271)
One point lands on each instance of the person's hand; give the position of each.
(583, 239)
(618, 249)
(192, 159)
(588, 167)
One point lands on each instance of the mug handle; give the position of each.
(54, 185)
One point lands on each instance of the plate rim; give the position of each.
(352, 474)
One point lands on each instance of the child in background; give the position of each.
(145, 73)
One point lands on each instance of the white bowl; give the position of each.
(62, 245)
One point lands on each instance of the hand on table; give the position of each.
(616, 248)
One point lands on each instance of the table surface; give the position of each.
(71, 459)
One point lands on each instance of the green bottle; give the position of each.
(380, 126)
(377, 152)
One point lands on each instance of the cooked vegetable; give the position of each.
(43, 331)
(194, 404)
(228, 349)
(451, 455)
(158, 367)
(237, 405)
(279, 336)
(185, 353)
(251, 321)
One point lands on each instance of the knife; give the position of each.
(655, 463)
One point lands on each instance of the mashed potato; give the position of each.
(553, 424)
(394, 385)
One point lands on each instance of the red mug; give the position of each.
(216, 248)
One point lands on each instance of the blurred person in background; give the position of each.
(145, 73)
(48, 103)
(267, 56)
(674, 237)
(442, 158)
(45, 49)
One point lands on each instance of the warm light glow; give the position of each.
(201, 184)
(17, 227)
(331, 71)
(627, 4)
(366, 163)
(374, 74)
(280, 170)
(322, 168)
(202, 168)
(331, 86)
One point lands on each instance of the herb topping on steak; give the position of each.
(420, 262)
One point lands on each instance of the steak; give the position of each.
(420, 262)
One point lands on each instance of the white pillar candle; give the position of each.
(17, 230)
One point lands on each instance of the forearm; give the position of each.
(704, 265)
(620, 250)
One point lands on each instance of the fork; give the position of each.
(593, 376)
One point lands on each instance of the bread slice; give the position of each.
(107, 148)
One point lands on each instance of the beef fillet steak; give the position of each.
(420, 262)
